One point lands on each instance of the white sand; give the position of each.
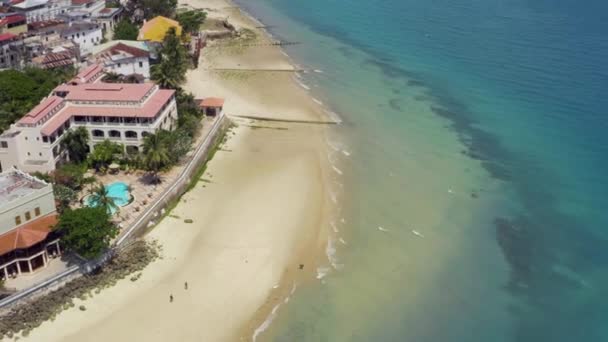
(257, 216)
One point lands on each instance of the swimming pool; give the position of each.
(118, 191)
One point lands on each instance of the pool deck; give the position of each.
(144, 193)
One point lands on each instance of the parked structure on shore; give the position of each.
(27, 214)
(123, 113)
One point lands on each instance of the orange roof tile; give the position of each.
(212, 102)
(28, 234)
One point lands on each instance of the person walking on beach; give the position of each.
(185, 285)
(170, 298)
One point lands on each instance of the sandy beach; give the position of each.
(259, 214)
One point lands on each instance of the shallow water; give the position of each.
(472, 160)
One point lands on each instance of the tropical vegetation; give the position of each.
(104, 154)
(76, 141)
(20, 91)
(125, 30)
(86, 231)
(148, 9)
(170, 73)
(102, 198)
(191, 21)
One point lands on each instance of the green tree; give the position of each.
(64, 196)
(71, 175)
(170, 73)
(191, 21)
(102, 198)
(76, 141)
(112, 77)
(156, 154)
(104, 153)
(125, 30)
(20, 91)
(148, 9)
(86, 231)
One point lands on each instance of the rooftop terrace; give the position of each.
(15, 184)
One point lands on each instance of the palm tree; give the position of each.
(103, 199)
(156, 154)
(76, 141)
(112, 77)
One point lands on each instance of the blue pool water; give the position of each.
(480, 124)
(118, 191)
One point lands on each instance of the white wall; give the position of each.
(41, 198)
(86, 39)
(128, 66)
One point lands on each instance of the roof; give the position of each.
(121, 51)
(108, 92)
(82, 2)
(28, 234)
(55, 59)
(37, 25)
(108, 12)
(132, 43)
(149, 110)
(212, 102)
(12, 19)
(30, 3)
(89, 74)
(79, 27)
(6, 36)
(15, 184)
(155, 29)
(40, 111)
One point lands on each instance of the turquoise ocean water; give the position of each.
(470, 169)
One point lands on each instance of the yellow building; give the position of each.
(155, 29)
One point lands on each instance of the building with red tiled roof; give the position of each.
(124, 113)
(123, 57)
(27, 217)
(212, 106)
(15, 23)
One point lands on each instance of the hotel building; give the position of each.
(27, 215)
(122, 113)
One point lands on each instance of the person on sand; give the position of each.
(170, 298)
(185, 285)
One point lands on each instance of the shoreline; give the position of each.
(284, 241)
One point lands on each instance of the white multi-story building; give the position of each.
(27, 214)
(123, 57)
(38, 10)
(85, 34)
(123, 113)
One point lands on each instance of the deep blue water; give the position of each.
(524, 84)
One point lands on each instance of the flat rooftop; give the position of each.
(16, 184)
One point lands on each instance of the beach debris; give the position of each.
(382, 229)
(474, 194)
(82, 308)
(450, 191)
(276, 286)
(170, 298)
(301, 266)
(185, 285)
(417, 233)
(188, 221)
(342, 241)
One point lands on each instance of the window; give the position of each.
(17, 220)
(3, 144)
(37, 211)
(28, 216)
(119, 65)
(141, 64)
